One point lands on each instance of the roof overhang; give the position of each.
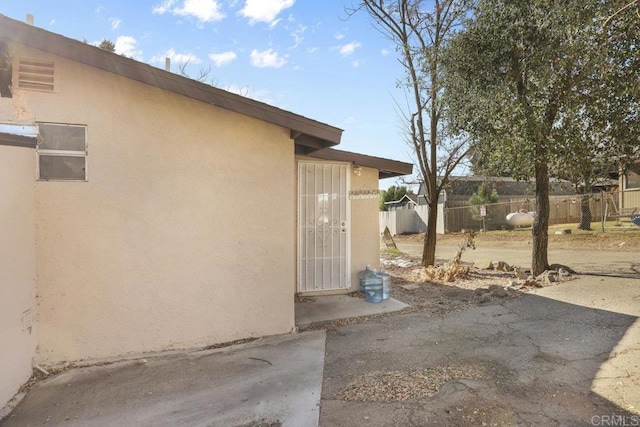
(387, 168)
(18, 135)
(308, 134)
(393, 202)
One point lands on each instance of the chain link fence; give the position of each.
(604, 211)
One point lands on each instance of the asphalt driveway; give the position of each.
(564, 355)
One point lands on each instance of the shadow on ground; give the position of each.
(566, 356)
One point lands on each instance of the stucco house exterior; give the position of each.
(630, 187)
(114, 239)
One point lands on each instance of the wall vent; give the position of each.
(36, 75)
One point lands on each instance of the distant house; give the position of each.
(630, 187)
(461, 188)
(408, 201)
(513, 196)
(116, 233)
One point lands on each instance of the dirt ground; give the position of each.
(438, 297)
(480, 351)
(477, 287)
(626, 238)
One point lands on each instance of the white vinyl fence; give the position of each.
(410, 220)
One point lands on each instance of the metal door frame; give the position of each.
(299, 249)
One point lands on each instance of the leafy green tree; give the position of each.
(601, 127)
(420, 30)
(536, 84)
(484, 196)
(391, 194)
(107, 45)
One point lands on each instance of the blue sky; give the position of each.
(305, 56)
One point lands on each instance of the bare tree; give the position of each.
(203, 73)
(420, 30)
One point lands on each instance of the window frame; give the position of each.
(47, 152)
(635, 170)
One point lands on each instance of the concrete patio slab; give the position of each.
(271, 381)
(334, 307)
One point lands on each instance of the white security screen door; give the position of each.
(323, 227)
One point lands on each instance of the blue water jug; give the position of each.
(373, 288)
(362, 277)
(386, 283)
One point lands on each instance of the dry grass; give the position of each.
(451, 270)
(623, 238)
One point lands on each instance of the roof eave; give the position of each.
(387, 168)
(18, 135)
(322, 134)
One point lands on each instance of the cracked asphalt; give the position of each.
(565, 355)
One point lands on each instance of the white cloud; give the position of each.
(384, 52)
(176, 58)
(349, 48)
(126, 45)
(264, 10)
(355, 63)
(115, 23)
(297, 35)
(338, 36)
(204, 10)
(223, 58)
(163, 7)
(100, 10)
(267, 58)
(274, 23)
(52, 22)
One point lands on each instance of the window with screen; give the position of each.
(633, 176)
(62, 152)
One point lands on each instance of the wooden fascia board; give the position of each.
(18, 140)
(95, 57)
(18, 135)
(387, 168)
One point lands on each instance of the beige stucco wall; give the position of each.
(180, 238)
(365, 237)
(364, 234)
(17, 268)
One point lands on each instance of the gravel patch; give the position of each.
(415, 384)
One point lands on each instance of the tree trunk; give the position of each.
(429, 249)
(585, 213)
(540, 230)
